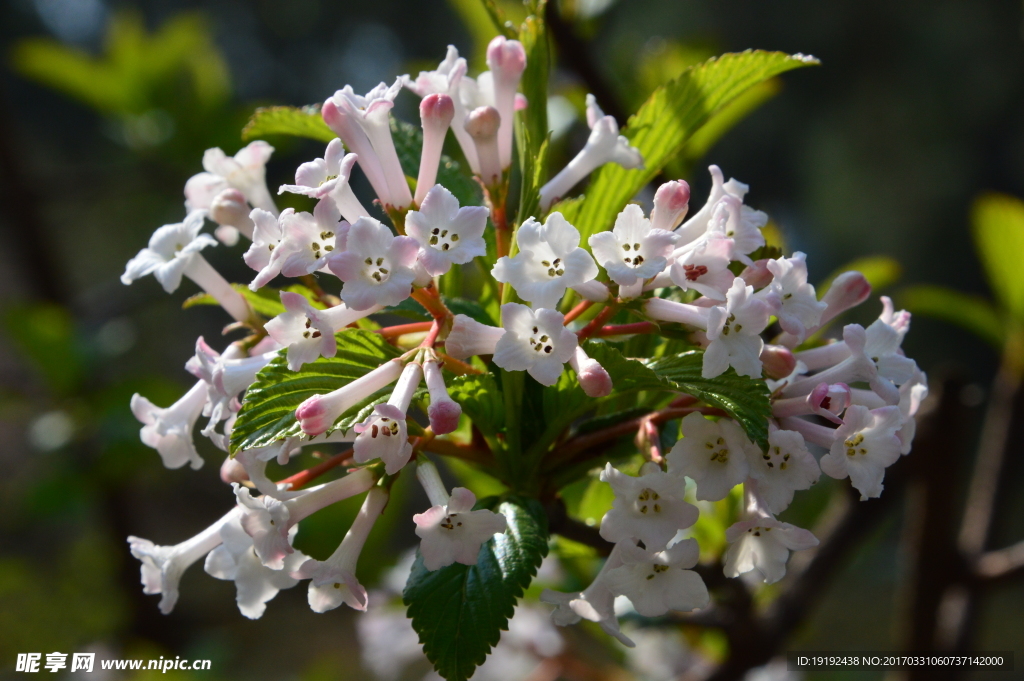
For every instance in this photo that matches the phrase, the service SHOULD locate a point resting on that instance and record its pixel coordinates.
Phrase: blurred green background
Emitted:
(106, 108)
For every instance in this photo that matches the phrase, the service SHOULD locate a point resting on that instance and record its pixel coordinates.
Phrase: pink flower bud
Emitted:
(482, 125)
(848, 290)
(671, 202)
(230, 208)
(314, 416)
(444, 412)
(778, 361)
(232, 470)
(593, 377)
(506, 58)
(437, 109)
(757, 275)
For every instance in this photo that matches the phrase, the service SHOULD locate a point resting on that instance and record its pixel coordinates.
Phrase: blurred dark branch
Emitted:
(26, 232)
(1001, 564)
(576, 55)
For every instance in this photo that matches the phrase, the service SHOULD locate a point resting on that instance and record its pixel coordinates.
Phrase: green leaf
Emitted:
(268, 409)
(288, 120)
(266, 301)
(409, 142)
(998, 224)
(460, 611)
(747, 400)
(670, 117)
(481, 401)
(728, 117)
(532, 122)
(881, 272)
(470, 308)
(974, 313)
(45, 334)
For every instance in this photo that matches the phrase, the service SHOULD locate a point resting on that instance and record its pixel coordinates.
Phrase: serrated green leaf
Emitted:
(974, 313)
(268, 408)
(470, 308)
(998, 224)
(409, 143)
(288, 120)
(480, 399)
(747, 400)
(266, 301)
(532, 122)
(460, 611)
(662, 126)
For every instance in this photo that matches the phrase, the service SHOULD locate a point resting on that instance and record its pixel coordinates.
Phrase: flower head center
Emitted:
(443, 239)
(853, 443)
(776, 457)
(648, 501)
(719, 452)
(377, 269)
(694, 272)
(541, 342)
(451, 521)
(555, 268)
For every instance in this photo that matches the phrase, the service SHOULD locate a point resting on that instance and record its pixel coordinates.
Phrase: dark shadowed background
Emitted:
(880, 151)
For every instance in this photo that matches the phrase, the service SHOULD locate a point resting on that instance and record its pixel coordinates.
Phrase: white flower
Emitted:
(848, 290)
(306, 242)
(731, 218)
(227, 376)
(268, 521)
(308, 333)
(549, 262)
(162, 566)
(172, 248)
(318, 413)
(632, 250)
(255, 583)
(329, 177)
(735, 333)
(446, 234)
(658, 582)
(376, 266)
(363, 122)
(827, 400)
(787, 466)
(605, 145)
(246, 172)
(595, 603)
(333, 581)
(506, 60)
(483, 124)
(912, 394)
(384, 434)
(453, 533)
(863, 447)
(169, 430)
(764, 544)
(536, 342)
(649, 508)
(705, 268)
(712, 453)
(800, 308)
(230, 210)
(469, 337)
(447, 79)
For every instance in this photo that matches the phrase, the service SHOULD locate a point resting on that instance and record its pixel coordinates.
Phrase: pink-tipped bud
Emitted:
(333, 117)
(506, 58)
(314, 416)
(778, 361)
(230, 209)
(671, 202)
(593, 377)
(848, 290)
(437, 110)
(521, 102)
(757, 275)
(444, 412)
(482, 123)
(232, 470)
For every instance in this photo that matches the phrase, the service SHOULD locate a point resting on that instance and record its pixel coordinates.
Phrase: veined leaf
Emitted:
(744, 399)
(268, 409)
(409, 143)
(998, 224)
(974, 313)
(532, 123)
(460, 611)
(288, 120)
(667, 120)
(481, 401)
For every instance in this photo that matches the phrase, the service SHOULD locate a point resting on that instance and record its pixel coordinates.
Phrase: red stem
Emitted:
(626, 329)
(429, 298)
(596, 323)
(402, 329)
(305, 477)
(578, 310)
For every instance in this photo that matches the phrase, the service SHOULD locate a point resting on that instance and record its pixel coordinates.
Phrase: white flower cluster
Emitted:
(667, 268)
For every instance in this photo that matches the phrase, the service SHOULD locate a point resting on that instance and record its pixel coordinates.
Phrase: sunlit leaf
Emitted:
(288, 120)
(974, 313)
(998, 224)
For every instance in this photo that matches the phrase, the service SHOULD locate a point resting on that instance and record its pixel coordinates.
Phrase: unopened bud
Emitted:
(778, 361)
(848, 290)
(757, 275)
(437, 109)
(482, 125)
(232, 470)
(671, 202)
(506, 58)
